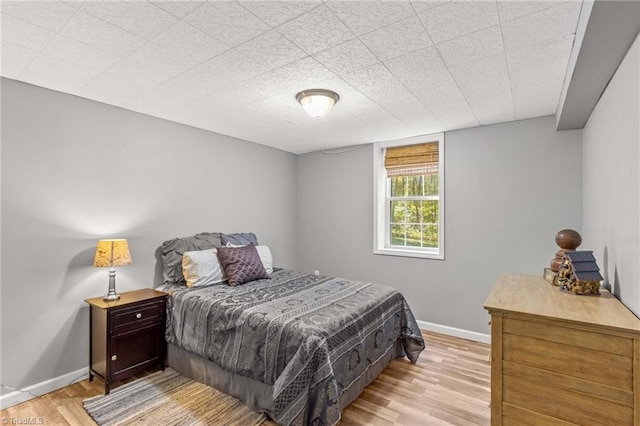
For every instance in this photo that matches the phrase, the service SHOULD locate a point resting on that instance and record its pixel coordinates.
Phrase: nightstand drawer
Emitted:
(135, 317)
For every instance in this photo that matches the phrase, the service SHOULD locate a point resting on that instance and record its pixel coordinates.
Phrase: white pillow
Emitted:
(265, 256)
(202, 267)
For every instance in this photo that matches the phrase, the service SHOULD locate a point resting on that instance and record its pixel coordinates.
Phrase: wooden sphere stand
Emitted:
(568, 240)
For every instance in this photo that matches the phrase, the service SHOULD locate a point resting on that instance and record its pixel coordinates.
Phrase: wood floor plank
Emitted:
(450, 385)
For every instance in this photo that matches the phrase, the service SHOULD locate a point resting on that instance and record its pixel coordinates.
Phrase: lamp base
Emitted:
(111, 297)
(111, 293)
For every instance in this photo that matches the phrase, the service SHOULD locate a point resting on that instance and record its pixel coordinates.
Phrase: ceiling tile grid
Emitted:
(402, 68)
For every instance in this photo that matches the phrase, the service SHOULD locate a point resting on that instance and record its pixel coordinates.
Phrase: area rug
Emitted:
(168, 398)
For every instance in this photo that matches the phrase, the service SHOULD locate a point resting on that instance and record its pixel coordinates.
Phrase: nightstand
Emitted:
(126, 335)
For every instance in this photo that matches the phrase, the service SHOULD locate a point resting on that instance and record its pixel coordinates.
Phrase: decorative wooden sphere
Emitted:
(568, 239)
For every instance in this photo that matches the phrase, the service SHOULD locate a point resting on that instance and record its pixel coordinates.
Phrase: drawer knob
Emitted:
(114, 357)
(138, 315)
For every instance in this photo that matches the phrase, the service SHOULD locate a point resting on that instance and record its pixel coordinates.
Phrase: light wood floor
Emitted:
(450, 385)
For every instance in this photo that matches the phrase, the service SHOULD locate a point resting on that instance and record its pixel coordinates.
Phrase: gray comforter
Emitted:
(309, 337)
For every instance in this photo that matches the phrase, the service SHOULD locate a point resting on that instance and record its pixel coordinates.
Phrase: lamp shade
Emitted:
(317, 102)
(110, 253)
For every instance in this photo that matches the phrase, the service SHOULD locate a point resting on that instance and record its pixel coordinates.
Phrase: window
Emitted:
(409, 197)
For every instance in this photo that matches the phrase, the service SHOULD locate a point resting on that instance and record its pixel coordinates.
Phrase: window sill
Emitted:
(408, 253)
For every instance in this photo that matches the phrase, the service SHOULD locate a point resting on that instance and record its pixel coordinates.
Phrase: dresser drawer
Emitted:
(135, 317)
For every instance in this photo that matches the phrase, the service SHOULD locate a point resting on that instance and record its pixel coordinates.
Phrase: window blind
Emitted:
(412, 160)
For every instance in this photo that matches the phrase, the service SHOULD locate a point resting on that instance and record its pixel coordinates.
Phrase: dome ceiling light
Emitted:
(317, 102)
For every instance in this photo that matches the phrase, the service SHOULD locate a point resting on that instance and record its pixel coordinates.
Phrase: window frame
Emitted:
(382, 198)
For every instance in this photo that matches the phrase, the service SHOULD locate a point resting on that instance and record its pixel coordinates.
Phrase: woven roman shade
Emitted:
(411, 160)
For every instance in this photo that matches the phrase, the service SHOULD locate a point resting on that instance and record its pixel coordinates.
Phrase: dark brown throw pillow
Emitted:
(241, 264)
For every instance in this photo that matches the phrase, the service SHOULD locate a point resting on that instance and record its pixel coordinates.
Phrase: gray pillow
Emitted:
(172, 251)
(239, 239)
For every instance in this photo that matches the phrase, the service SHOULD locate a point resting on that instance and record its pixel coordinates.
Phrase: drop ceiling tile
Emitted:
(456, 115)
(365, 16)
(537, 100)
(137, 17)
(422, 6)
(348, 56)
(276, 13)
(409, 110)
(342, 121)
(109, 89)
(274, 107)
(61, 83)
(50, 15)
(422, 126)
(189, 41)
(492, 114)
(75, 4)
(481, 46)
(79, 53)
(494, 107)
(376, 126)
(423, 71)
(227, 21)
(544, 28)
(225, 70)
(15, 59)
(477, 62)
(397, 39)
(24, 34)
(49, 69)
(211, 103)
(525, 58)
(178, 8)
(272, 50)
(372, 114)
(510, 10)
(316, 30)
(144, 77)
(538, 73)
(174, 92)
(457, 18)
(447, 104)
(241, 93)
(306, 73)
(168, 110)
(95, 32)
(475, 81)
(377, 83)
(163, 60)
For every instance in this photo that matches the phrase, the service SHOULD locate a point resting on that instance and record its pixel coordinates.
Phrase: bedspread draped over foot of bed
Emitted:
(308, 338)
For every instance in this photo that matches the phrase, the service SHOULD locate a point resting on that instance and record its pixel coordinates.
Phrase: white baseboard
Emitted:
(33, 391)
(455, 332)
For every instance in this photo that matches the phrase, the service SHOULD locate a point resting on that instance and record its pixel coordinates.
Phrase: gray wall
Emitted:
(611, 208)
(509, 189)
(75, 171)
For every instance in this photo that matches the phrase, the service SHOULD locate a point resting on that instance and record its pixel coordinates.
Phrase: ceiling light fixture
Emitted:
(317, 102)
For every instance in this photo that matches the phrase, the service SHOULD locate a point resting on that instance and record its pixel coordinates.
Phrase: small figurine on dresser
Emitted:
(579, 273)
(567, 240)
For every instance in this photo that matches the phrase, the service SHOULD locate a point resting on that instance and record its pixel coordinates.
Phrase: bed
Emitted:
(299, 347)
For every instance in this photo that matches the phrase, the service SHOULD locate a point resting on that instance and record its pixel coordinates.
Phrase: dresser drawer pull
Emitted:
(114, 357)
(138, 315)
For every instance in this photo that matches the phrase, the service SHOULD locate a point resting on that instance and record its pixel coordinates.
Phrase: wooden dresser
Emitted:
(561, 359)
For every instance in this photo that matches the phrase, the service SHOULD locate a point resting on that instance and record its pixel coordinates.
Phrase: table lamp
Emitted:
(112, 253)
